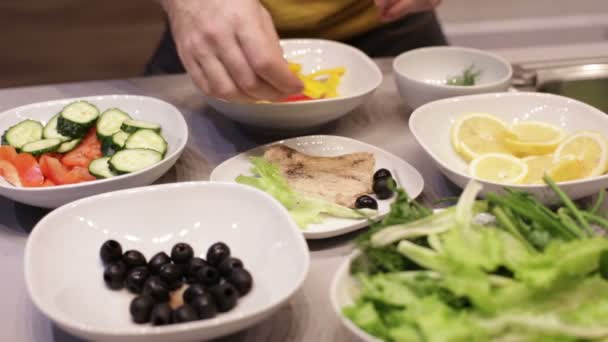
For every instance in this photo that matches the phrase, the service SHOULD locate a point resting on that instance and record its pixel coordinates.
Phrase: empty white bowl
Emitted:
(64, 273)
(431, 125)
(421, 74)
(362, 77)
(174, 130)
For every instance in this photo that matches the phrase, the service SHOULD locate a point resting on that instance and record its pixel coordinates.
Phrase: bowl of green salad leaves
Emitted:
(432, 73)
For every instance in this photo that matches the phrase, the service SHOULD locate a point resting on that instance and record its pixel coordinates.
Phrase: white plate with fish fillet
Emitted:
(406, 176)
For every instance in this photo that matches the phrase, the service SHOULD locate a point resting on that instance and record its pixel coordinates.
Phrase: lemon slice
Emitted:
(499, 167)
(534, 138)
(589, 148)
(476, 134)
(566, 169)
(537, 166)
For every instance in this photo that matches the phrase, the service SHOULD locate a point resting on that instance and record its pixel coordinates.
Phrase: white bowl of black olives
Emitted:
(183, 262)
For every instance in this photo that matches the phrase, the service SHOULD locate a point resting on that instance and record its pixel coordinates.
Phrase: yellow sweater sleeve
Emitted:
(329, 19)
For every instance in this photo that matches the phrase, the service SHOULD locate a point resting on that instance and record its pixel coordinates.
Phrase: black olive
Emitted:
(136, 278)
(192, 268)
(185, 313)
(114, 275)
(161, 314)
(157, 261)
(172, 275)
(157, 288)
(382, 173)
(133, 258)
(217, 253)
(228, 265)
(141, 308)
(205, 306)
(192, 292)
(225, 295)
(366, 202)
(181, 253)
(110, 252)
(208, 275)
(241, 279)
(382, 188)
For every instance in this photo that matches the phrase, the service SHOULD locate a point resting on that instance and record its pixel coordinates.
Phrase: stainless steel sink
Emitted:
(584, 80)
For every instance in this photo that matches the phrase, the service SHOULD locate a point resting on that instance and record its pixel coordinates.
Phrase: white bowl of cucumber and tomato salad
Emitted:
(55, 152)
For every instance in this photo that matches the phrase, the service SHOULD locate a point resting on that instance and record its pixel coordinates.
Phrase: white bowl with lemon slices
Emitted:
(514, 139)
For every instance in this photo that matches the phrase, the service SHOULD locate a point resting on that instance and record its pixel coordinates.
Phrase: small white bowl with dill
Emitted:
(432, 73)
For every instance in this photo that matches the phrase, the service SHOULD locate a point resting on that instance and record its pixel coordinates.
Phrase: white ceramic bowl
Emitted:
(431, 125)
(63, 271)
(174, 130)
(362, 77)
(421, 74)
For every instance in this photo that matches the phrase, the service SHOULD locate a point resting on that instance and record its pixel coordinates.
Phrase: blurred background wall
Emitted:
(44, 41)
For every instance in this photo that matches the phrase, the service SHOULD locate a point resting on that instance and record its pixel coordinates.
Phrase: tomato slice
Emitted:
(7, 153)
(88, 150)
(53, 169)
(296, 97)
(29, 170)
(9, 172)
(78, 175)
(48, 183)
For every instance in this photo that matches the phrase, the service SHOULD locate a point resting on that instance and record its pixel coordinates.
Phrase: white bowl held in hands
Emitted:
(174, 130)
(362, 77)
(64, 273)
(421, 74)
(406, 175)
(431, 125)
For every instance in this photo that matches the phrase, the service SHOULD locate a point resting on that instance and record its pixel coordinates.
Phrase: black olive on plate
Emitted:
(382, 173)
(383, 188)
(136, 278)
(110, 251)
(172, 275)
(217, 253)
(205, 306)
(161, 314)
(114, 275)
(157, 288)
(241, 279)
(208, 275)
(225, 295)
(228, 265)
(157, 261)
(141, 308)
(366, 202)
(193, 291)
(133, 258)
(181, 253)
(192, 268)
(185, 313)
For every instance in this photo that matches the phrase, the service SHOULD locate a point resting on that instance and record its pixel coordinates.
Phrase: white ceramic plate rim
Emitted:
(357, 224)
(170, 329)
(477, 87)
(177, 151)
(592, 111)
(376, 72)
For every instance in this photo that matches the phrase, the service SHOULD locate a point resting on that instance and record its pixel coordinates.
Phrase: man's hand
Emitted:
(394, 9)
(231, 49)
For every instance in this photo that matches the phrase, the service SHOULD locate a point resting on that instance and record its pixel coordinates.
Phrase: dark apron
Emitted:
(411, 32)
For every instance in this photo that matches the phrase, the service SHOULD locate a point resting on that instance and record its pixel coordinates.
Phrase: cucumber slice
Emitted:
(39, 147)
(110, 122)
(68, 146)
(115, 143)
(76, 119)
(145, 138)
(100, 168)
(131, 126)
(50, 130)
(126, 161)
(22, 133)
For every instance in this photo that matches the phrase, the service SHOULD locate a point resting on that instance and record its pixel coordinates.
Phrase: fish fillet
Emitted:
(340, 179)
